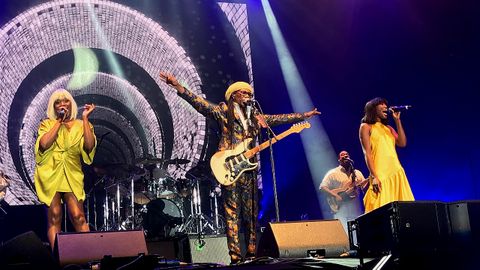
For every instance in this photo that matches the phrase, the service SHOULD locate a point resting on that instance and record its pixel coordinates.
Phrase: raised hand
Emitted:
(87, 110)
(311, 113)
(396, 115)
(169, 79)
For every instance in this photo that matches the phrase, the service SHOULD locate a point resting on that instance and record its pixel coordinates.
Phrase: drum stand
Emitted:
(197, 222)
(87, 202)
(220, 227)
(114, 220)
(132, 202)
(87, 215)
(106, 211)
(130, 218)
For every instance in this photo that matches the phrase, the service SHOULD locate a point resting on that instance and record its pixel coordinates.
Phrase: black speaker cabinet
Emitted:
(404, 229)
(299, 239)
(465, 233)
(80, 248)
(26, 251)
(166, 248)
(465, 224)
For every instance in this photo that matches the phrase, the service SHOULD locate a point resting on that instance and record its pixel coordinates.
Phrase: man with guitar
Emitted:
(342, 186)
(239, 124)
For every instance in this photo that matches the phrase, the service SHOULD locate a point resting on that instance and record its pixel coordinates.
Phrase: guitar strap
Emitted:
(351, 170)
(239, 112)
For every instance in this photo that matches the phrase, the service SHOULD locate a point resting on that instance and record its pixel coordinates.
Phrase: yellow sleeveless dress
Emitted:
(59, 168)
(395, 186)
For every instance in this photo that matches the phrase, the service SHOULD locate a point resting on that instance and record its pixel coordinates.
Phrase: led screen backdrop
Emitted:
(110, 53)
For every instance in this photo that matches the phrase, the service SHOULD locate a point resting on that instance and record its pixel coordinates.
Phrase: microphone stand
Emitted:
(352, 172)
(272, 162)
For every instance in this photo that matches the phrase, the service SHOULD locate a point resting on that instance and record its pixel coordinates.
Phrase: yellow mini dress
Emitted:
(59, 168)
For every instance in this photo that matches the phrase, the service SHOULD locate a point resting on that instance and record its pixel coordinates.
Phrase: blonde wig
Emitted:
(61, 94)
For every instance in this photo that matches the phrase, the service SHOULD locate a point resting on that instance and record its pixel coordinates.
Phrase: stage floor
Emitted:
(259, 263)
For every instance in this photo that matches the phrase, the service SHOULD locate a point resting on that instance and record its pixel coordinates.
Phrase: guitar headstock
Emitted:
(300, 126)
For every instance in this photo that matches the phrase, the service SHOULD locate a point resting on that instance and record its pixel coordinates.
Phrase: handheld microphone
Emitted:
(349, 160)
(399, 108)
(61, 113)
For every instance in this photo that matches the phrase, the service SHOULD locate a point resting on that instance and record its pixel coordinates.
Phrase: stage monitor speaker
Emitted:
(80, 248)
(191, 249)
(299, 239)
(405, 229)
(26, 251)
(465, 233)
(208, 249)
(465, 223)
(172, 248)
(166, 248)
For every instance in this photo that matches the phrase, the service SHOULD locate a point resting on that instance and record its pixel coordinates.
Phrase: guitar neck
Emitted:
(250, 153)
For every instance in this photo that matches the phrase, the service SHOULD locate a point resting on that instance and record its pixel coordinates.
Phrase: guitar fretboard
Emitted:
(250, 153)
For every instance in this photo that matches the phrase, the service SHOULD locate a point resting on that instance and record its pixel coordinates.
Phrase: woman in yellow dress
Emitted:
(62, 141)
(388, 180)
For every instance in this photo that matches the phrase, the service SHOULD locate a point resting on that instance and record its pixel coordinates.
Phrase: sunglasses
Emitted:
(243, 92)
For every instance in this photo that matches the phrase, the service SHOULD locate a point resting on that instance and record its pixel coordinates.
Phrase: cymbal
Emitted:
(120, 170)
(142, 197)
(148, 161)
(176, 161)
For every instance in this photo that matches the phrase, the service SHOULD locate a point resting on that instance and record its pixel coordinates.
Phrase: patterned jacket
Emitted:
(219, 113)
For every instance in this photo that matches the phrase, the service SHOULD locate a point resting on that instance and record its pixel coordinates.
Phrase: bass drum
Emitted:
(162, 218)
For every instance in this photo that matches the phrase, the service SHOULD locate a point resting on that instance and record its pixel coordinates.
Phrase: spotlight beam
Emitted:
(318, 150)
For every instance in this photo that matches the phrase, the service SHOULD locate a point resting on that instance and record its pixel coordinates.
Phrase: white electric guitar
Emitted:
(228, 165)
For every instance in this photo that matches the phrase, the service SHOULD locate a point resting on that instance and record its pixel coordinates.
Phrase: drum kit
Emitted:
(145, 196)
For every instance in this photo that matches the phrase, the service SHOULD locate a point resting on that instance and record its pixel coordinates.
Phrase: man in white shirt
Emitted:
(342, 186)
